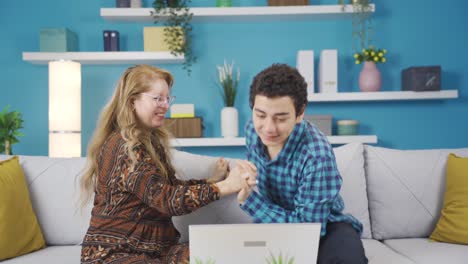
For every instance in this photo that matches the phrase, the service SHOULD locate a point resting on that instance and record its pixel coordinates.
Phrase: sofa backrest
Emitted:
(405, 190)
(54, 191)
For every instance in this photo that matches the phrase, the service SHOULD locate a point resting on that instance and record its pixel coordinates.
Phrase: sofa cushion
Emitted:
(452, 226)
(405, 190)
(421, 250)
(54, 190)
(350, 161)
(224, 211)
(50, 255)
(20, 232)
(378, 253)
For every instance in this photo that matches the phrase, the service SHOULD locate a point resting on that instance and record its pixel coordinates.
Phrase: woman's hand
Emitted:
(243, 175)
(220, 171)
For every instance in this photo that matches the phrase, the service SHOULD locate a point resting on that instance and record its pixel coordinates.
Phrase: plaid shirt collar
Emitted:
(293, 141)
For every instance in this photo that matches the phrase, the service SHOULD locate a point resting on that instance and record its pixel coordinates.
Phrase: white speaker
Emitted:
(305, 66)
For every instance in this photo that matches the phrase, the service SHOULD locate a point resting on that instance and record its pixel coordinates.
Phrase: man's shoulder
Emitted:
(250, 134)
(315, 142)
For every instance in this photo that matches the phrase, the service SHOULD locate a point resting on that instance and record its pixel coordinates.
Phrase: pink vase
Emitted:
(370, 79)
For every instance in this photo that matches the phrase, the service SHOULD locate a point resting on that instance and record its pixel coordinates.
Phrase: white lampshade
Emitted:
(65, 145)
(64, 109)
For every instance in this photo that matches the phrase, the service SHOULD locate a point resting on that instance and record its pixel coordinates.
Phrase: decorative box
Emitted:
(287, 2)
(347, 127)
(423, 78)
(185, 127)
(57, 40)
(323, 122)
(154, 39)
(182, 110)
(122, 3)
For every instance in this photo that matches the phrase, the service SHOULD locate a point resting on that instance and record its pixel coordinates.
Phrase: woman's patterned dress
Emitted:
(131, 217)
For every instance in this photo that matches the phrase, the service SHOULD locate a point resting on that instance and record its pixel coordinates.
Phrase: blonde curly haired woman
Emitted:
(129, 171)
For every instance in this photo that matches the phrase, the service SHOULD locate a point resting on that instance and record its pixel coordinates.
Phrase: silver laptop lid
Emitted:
(253, 243)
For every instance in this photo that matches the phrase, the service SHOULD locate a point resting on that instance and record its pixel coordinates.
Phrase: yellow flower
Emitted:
(370, 54)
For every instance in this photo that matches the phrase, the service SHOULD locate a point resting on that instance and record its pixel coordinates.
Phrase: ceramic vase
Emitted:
(229, 122)
(370, 79)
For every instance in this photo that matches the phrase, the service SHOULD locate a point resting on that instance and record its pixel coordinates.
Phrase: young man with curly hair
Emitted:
(298, 179)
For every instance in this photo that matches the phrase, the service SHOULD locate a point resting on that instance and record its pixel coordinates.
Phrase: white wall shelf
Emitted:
(382, 96)
(238, 14)
(108, 57)
(240, 141)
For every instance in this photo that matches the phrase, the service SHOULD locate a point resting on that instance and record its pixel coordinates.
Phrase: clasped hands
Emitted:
(240, 179)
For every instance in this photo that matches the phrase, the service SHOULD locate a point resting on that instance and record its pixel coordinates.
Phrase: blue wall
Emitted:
(418, 32)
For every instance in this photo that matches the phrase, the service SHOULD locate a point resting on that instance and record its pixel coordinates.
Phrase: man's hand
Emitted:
(250, 177)
(243, 175)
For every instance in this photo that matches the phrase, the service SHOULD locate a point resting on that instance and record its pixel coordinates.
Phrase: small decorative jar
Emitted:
(347, 127)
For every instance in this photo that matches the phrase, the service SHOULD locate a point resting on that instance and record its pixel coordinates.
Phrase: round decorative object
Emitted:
(370, 79)
(347, 127)
(229, 122)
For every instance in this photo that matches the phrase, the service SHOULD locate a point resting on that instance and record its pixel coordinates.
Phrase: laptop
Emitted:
(253, 243)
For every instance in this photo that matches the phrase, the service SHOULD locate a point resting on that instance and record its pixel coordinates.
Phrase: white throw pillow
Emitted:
(405, 190)
(350, 161)
(224, 211)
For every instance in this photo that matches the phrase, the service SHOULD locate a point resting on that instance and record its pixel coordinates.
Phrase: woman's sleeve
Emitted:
(147, 183)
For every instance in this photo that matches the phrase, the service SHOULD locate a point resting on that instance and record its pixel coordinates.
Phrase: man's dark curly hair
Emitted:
(280, 80)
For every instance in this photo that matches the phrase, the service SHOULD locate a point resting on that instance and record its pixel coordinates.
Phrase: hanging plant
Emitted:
(361, 23)
(178, 31)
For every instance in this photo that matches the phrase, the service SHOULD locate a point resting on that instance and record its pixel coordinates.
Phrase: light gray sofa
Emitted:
(396, 194)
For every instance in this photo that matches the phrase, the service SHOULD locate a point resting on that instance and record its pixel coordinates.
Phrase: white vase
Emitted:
(229, 122)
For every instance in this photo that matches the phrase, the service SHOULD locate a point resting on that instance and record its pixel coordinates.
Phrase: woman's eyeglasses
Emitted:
(159, 100)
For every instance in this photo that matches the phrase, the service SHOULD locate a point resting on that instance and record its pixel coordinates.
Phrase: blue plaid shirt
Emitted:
(301, 185)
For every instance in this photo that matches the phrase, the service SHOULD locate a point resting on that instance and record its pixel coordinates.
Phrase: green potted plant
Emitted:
(178, 31)
(279, 259)
(209, 261)
(228, 83)
(10, 124)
